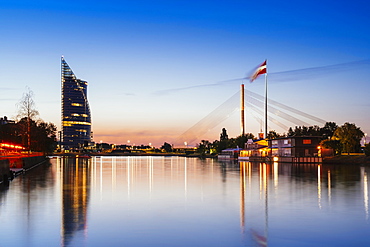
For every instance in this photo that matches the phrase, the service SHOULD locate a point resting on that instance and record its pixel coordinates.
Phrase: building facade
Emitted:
(296, 149)
(295, 146)
(291, 149)
(76, 117)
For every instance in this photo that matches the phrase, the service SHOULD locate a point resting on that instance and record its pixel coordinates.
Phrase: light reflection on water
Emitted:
(176, 201)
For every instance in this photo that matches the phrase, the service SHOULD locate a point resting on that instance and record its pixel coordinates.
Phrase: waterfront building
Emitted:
(300, 149)
(255, 150)
(295, 146)
(291, 149)
(229, 154)
(76, 117)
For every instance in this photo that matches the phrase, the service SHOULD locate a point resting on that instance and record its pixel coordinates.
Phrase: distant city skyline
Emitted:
(157, 68)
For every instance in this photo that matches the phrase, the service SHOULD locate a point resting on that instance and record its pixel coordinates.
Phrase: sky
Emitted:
(156, 68)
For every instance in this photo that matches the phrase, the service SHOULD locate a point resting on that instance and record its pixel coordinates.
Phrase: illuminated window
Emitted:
(70, 123)
(275, 152)
(82, 131)
(287, 152)
(306, 141)
(287, 141)
(76, 104)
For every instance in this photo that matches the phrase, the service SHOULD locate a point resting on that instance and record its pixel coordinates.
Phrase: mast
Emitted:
(242, 117)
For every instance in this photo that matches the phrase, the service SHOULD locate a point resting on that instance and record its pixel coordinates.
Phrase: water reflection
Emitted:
(254, 212)
(365, 190)
(75, 192)
(258, 231)
(174, 201)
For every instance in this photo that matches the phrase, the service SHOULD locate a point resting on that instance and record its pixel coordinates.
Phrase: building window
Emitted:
(287, 142)
(306, 141)
(287, 152)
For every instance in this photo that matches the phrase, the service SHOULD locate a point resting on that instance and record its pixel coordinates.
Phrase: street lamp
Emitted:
(365, 139)
(129, 144)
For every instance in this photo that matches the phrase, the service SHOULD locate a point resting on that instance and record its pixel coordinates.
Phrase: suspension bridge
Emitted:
(279, 115)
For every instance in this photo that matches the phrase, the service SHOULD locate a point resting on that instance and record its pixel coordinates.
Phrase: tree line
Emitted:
(28, 131)
(37, 136)
(342, 139)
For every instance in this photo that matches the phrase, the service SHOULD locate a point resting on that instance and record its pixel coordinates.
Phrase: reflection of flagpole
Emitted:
(242, 196)
(319, 185)
(260, 239)
(266, 201)
(329, 186)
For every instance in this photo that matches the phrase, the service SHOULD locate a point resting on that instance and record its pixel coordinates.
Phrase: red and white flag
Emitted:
(262, 69)
(260, 240)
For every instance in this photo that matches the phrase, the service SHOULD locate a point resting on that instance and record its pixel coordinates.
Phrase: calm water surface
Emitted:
(175, 201)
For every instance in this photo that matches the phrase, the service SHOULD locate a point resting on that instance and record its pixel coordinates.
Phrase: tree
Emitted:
(9, 133)
(42, 134)
(204, 147)
(290, 132)
(167, 147)
(367, 149)
(224, 141)
(44, 137)
(304, 131)
(273, 134)
(27, 109)
(332, 144)
(242, 139)
(223, 135)
(328, 130)
(349, 136)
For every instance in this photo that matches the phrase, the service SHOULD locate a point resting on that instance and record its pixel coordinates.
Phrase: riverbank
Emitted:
(15, 165)
(348, 159)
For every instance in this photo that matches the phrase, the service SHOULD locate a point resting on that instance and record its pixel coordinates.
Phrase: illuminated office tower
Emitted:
(76, 118)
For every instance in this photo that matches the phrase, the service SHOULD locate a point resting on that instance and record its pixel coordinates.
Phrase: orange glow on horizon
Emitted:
(143, 137)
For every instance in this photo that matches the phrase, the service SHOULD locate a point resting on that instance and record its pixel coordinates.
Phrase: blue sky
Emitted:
(130, 50)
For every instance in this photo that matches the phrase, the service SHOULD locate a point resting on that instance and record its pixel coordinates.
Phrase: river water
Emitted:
(176, 201)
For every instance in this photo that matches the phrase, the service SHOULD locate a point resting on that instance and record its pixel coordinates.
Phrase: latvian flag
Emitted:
(262, 69)
(260, 240)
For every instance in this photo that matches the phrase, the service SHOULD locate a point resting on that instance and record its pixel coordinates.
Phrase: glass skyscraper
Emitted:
(76, 117)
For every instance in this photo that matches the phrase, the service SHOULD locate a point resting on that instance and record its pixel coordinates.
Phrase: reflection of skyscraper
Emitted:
(76, 118)
(75, 185)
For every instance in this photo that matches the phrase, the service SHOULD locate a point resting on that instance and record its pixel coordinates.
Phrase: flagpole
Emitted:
(262, 69)
(266, 104)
